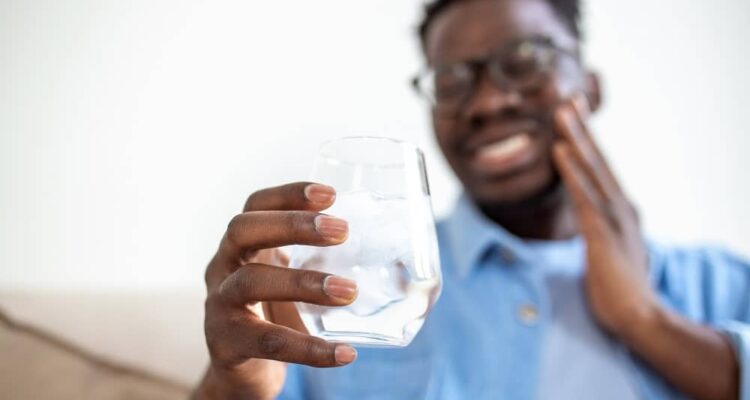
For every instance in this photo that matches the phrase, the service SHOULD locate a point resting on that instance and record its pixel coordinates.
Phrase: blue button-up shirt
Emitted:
(512, 323)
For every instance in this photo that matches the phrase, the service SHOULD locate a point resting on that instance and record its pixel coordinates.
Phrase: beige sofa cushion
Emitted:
(155, 330)
(36, 365)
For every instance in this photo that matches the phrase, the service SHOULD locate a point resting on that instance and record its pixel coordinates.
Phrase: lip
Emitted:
(498, 132)
(498, 165)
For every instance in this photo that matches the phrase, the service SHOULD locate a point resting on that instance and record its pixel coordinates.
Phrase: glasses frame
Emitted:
(477, 65)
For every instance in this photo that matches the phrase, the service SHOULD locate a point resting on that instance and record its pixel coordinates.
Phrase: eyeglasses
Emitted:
(524, 66)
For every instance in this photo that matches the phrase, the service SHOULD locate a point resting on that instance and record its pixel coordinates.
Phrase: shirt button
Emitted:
(528, 314)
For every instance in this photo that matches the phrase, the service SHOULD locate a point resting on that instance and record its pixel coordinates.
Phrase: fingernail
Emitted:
(320, 193)
(331, 227)
(581, 103)
(562, 112)
(567, 116)
(342, 288)
(345, 354)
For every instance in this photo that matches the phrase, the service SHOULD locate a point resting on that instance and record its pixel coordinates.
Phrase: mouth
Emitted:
(505, 154)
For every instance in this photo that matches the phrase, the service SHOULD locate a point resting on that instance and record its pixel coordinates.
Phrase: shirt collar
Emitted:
(472, 235)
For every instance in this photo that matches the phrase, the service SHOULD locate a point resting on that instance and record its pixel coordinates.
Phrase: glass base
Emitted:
(361, 339)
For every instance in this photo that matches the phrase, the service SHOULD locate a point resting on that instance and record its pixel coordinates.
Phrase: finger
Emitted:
(581, 105)
(258, 282)
(284, 313)
(573, 129)
(588, 204)
(294, 196)
(257, 230)
(261, 339)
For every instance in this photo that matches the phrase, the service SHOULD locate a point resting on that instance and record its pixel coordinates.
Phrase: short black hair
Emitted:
(568, 10)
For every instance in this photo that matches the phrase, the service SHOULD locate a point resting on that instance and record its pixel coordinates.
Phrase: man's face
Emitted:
(499, 141)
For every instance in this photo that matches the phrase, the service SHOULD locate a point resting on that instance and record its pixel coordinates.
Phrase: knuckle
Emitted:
(247, 282)
(237, 320)
(215, 349)
(252, 200)
(235, 228)
(227, 333)
(300, 221)
(319, 352)
(306, 281)
(271, 343)
(240, 284)
(218, 346)
(310, 347)
(207, 275)
(222, 352)
(315, 349)
(211, 304)
(224, 292)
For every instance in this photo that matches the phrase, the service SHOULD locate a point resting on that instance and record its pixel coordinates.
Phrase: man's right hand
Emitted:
(252, 328)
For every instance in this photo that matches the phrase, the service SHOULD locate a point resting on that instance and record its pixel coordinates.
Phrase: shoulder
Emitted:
(707, 282)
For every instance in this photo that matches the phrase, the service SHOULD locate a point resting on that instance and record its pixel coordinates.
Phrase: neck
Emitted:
(546, 216)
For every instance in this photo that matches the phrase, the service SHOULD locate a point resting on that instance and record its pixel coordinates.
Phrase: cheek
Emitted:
(553, 95)
(445, 133)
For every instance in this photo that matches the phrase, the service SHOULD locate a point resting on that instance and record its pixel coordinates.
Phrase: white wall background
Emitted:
(131, 132)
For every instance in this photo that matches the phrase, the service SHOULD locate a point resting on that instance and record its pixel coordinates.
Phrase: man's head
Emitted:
(498, 70)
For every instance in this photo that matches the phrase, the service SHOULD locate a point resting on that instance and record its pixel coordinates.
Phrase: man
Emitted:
(549, 289)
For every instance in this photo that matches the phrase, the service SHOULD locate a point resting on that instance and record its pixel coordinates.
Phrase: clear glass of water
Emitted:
(391, 252)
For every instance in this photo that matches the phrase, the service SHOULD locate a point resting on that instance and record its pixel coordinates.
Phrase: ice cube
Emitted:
(377, 254)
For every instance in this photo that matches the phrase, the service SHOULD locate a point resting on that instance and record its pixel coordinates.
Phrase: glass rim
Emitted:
(337, 159)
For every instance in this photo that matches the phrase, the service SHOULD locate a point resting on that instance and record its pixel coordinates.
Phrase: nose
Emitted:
(490, 100)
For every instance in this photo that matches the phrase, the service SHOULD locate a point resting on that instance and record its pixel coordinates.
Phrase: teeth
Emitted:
(507, 147)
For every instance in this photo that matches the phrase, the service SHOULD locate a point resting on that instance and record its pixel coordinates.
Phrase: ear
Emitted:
(593, 90)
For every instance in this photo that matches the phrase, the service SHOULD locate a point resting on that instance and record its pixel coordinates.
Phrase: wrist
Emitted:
(214, 387)
(644, 322)
(211, 388)
(253, 379)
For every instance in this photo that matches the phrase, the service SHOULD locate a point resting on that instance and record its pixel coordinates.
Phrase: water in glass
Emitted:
(391, 251)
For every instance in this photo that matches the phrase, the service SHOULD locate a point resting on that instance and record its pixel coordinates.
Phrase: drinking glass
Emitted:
(391, 252)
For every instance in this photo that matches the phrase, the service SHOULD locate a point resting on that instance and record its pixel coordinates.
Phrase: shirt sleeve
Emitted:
(712, 286)
(733, 292)
(739, 333)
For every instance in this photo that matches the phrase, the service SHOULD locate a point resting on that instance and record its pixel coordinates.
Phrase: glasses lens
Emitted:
(453, 83)
(527, 65)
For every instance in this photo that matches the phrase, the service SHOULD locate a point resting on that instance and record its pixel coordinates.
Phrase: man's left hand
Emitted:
(616, 279)
(695, 358)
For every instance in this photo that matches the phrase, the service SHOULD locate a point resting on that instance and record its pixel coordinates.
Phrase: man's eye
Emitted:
(527, 61)
(519, 67)
(448, 85)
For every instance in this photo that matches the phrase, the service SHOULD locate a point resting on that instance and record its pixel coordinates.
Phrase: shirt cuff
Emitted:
(739, 333)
